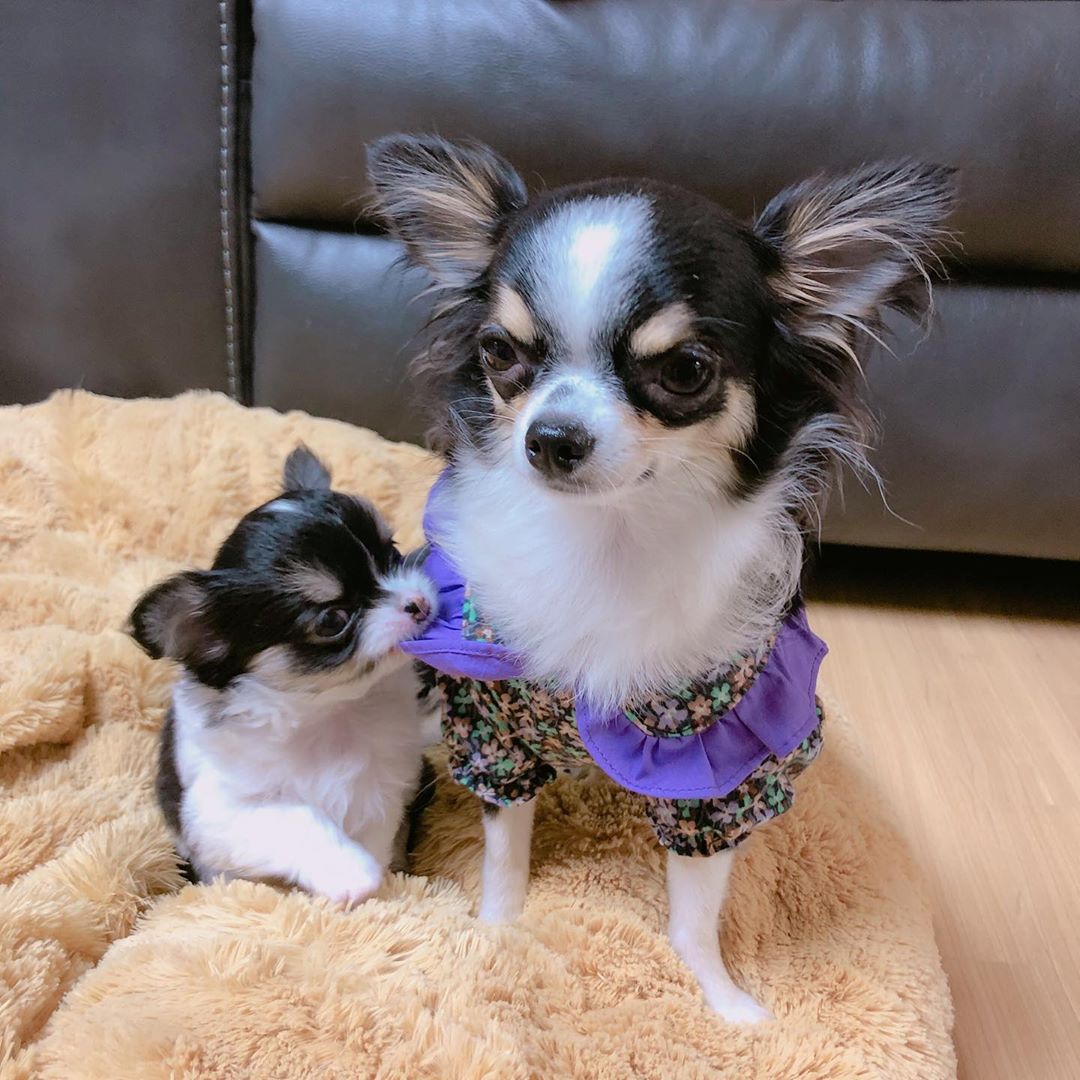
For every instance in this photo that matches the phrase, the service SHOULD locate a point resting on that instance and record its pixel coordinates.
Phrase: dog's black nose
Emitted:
(557, 448)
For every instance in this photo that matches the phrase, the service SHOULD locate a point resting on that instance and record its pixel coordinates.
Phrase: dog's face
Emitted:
(612, 335)
(608, 358)
(307, 593)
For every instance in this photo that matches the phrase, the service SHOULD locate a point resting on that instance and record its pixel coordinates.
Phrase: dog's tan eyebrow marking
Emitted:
(662, 331)
(513, 314)
(316, 583)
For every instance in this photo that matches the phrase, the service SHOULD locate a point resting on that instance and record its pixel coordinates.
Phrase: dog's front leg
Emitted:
(505, 875)
(269, 840)
(696, 891)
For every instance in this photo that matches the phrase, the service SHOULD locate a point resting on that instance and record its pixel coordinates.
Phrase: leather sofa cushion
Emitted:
(110, 236)
(336, 317)
(980, 439)
(732, 99)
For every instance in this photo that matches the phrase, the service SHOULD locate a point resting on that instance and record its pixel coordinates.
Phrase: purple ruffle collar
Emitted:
(776, 713)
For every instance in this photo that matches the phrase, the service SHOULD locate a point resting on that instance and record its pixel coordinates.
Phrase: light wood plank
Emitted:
(964, 675)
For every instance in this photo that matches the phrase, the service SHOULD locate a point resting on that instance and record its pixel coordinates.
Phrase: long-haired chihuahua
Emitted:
(643, 403)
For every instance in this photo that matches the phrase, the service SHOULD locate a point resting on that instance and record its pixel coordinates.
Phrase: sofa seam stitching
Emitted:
(224, 185)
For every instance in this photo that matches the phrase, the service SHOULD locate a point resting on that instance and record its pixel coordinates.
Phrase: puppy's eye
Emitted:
(330, 624)
(497, 352)
(685, 371)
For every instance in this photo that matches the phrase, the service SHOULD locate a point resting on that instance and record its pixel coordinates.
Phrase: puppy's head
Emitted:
(613, 335)
(308, 592)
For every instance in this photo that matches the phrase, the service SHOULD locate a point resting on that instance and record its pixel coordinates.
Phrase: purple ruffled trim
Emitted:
(776, 713)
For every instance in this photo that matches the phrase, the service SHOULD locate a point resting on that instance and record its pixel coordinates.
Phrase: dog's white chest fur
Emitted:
(614, 600)
(351, 760)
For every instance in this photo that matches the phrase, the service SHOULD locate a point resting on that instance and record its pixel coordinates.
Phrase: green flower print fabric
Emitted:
(509, 738)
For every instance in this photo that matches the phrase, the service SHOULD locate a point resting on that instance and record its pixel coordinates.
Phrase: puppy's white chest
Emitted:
(347, 758)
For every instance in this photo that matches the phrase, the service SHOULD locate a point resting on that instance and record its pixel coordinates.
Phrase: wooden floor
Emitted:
(964, 675)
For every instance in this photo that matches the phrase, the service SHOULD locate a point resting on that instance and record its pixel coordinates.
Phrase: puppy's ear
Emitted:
(853, 245)
(305, 472)
(447, 201)
(173, 620)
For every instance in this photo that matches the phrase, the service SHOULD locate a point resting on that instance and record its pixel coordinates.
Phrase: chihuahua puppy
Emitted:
(643, 402)
(294, 740)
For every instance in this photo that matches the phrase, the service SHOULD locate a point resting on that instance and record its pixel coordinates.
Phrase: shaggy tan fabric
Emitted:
(109, 970)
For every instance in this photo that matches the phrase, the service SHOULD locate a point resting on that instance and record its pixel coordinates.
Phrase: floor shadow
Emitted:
(944, 581)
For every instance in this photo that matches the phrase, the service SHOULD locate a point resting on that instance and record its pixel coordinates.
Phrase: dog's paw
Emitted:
(349, 879)
(736, 1006)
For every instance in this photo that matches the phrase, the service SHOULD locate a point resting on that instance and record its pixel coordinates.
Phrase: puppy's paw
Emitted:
(736, 1006)
(348, 879)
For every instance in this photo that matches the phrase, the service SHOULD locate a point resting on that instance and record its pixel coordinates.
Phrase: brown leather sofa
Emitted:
(183, 200)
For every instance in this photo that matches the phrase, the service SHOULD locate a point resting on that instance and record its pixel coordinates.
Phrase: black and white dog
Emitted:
(644, 402)
(295, 736)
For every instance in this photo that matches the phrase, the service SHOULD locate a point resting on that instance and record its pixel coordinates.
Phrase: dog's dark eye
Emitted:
(330, 624)
(497, 352)
(685, 371)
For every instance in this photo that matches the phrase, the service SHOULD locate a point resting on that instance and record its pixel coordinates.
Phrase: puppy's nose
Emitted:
(557, 447)
(418, 608)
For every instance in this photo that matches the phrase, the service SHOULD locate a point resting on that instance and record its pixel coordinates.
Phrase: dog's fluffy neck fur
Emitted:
(619, 600)
(254, 701)
(350, 751)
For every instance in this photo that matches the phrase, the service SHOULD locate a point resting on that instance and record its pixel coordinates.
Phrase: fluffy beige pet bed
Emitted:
(108, 969)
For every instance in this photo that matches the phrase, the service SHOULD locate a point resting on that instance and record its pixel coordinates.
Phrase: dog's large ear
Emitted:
(447, 201)
(853, 245)
(305, 472)
(173, 619)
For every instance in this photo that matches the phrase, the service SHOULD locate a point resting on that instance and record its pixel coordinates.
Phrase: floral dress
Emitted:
(508, 738)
